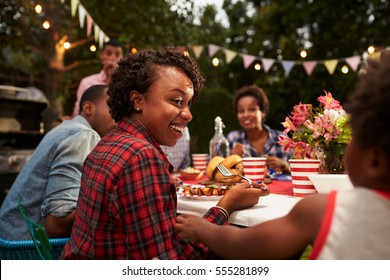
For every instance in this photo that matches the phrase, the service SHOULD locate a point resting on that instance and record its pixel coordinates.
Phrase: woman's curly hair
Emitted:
(137, 72)
(369, 105)
(256, 92)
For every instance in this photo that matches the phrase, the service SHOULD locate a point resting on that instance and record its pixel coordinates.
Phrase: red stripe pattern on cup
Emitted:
(200, 161)
(254, 167)
(300, 169)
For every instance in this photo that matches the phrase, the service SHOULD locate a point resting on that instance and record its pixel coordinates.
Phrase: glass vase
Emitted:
(331, 160)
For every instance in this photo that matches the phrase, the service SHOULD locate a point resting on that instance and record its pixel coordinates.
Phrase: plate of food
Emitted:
(201, 192)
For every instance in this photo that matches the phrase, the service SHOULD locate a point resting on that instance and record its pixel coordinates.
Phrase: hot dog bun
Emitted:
(231, 161)
(234, 162)
(212, 166)
(233, 179)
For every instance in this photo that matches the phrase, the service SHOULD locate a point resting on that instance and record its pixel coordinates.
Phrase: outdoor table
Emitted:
(277, 204)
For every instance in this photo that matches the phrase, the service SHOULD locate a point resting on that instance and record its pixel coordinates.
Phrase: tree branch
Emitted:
(78, 63)
(81, 42)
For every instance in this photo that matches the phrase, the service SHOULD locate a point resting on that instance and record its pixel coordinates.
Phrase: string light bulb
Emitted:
(303, 53)
(66, 45)
(345, 69)
(38, 9)
(215, 61)
(257, 66)
(92, 48)
(46, 24)
(371, 49)
(133, 50)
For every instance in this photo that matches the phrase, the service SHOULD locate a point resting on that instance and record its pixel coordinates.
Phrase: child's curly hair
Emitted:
(369, 105)
(137, 72)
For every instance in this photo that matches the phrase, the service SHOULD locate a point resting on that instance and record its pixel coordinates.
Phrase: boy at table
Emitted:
(350, 224)
(127, 202)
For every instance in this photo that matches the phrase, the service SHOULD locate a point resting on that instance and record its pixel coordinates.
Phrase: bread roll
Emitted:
(231, 179)
(231, 161)
(212, 166)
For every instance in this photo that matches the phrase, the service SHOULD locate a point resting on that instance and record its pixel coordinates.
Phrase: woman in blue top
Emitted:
(255, 138)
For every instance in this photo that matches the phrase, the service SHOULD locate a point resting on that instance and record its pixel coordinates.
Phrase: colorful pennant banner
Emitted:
(230, 55)
(309, 66)
(99, 35)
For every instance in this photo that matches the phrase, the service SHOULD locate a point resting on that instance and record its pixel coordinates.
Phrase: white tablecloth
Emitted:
(269, 207)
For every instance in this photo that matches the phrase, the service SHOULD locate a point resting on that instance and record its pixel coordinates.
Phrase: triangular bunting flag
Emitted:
(73, 6)
(89, 25)
(353, 61)
(82, 13)
(267, 63)
(248, 60)
(287, 66)
(331, 65)
(96, 31)
(213, 49)
(230, 55)
(198, 49)
(101, 39)
(309, 66)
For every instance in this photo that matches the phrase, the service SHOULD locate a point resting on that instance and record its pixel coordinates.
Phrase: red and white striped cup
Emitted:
(300, 169)
(254, 168)
(200, 161)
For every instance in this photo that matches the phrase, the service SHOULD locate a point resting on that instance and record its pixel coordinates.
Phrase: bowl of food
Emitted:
(190, 174)
(324, 183)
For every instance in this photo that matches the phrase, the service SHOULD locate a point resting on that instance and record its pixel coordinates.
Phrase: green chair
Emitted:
(46, 248)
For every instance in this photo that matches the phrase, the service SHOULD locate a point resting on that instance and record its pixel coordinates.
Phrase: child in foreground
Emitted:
(350, 224)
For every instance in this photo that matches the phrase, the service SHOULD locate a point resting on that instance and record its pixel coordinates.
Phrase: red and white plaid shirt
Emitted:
(127, 202)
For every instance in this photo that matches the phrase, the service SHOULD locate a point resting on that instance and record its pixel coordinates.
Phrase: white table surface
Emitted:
(269, 207)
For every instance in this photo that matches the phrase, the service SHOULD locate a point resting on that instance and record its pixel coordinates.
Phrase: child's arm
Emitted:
(277, 239)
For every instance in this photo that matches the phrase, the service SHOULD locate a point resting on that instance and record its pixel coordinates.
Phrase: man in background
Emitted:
(110, 55)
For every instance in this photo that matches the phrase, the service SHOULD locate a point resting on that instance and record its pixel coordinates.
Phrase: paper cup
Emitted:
(300, 169)
(254, 168)
(200, 161)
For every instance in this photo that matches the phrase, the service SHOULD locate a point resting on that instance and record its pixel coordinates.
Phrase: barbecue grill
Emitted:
(21, 130)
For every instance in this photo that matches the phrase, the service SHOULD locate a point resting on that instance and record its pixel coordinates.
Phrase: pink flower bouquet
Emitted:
(324, 128)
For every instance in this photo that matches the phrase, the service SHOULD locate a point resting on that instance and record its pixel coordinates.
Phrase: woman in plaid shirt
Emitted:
(127, 202)
(255, 138)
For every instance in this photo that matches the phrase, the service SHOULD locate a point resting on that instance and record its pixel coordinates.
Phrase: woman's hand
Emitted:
(242, 196)
(278, 164)
(176, 180)
(238, 149)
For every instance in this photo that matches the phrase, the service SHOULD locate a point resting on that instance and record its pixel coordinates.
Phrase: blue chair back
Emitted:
(26, 249)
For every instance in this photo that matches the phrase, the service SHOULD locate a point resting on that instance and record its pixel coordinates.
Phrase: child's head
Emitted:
(369, 105)
(369, 108)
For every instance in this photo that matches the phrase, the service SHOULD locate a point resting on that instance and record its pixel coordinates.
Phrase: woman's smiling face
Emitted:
(248, 113)
(165, 107)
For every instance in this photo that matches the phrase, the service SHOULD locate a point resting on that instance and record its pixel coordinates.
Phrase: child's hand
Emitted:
(187, 226)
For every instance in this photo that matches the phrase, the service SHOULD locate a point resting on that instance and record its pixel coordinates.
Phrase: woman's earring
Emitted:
(137, 109)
